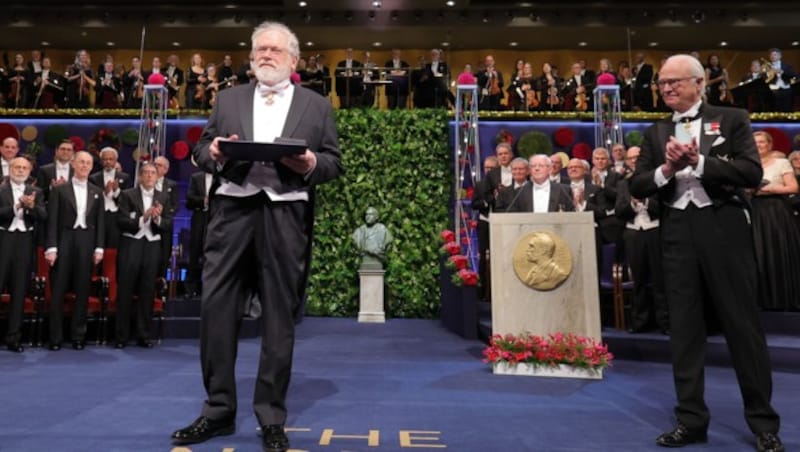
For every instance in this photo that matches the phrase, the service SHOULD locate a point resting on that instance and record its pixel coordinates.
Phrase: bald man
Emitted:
(8, 152)
(74, 246)
(21, 207)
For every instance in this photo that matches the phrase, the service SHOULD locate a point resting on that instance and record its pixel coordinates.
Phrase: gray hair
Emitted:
(544, 157)
(520, 160)
(293, 43)
(696, 69)
(111, 150)
(601, 149)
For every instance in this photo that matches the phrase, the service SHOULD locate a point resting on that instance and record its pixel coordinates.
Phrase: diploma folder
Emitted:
(262, 152)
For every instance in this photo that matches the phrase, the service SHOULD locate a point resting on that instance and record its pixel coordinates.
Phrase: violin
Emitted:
(494, 83)
(581, 102)
(552, 95)
(530, 95)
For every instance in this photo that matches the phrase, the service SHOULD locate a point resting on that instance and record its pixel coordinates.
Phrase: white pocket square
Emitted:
(718, 141)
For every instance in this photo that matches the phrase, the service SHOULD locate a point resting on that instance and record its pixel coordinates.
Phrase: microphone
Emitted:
(514, 199)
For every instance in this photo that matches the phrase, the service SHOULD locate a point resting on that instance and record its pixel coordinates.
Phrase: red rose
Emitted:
(460, 261)
(470, 192)
(473, 224)
(453, 248)
(469, 277)
(448, 235)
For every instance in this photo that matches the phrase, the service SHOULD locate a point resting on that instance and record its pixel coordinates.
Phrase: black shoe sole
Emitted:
(221, 432)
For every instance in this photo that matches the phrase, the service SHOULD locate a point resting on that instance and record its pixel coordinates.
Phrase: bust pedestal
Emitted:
(371, 296)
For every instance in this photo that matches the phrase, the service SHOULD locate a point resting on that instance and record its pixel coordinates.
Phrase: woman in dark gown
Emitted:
(777, 240)
(716, 81)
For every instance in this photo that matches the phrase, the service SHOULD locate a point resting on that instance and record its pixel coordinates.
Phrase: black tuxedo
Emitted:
(74, 263)
(107, 94)
(197, 203)
(492, 188)
(253, 239)
(349, 87)
(46, 176)
(431, 90)
(170, 189)
(521, 199)
(643, 253)
(490, 101)
(642, 92)
(16, 253)
(112, 229)
(482, 205)
(708, 258)
(137, 263)
(397, 92)
(609, 226)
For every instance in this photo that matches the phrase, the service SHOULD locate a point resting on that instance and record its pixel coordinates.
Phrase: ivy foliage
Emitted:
(399, 162)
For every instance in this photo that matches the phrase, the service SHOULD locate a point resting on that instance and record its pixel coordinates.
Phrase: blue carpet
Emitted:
(350, 379)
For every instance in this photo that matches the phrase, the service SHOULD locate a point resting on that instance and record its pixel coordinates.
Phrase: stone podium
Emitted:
(371, 296)
(567, 298)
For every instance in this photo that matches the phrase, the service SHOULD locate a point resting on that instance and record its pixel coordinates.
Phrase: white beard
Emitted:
(270, 76)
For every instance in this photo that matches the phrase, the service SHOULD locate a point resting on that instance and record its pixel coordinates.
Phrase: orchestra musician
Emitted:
(34, 73)
(195, 82)
(314, 77)
(397, 92)
(490, 81)
(752, 93)
(80, 81)
(48, 87)
(109, 89)
(226, 73)
(643, 78)
(134, 84)
(625, 82)
(779, 76)
(368, 75)
(348, 81)
(549, 86)
(17, 83)
(513, 97)
(155, 69)
(174, 76)
(526, 95)
(716, 82)
(210, 87)
(577, 90)
(434, 82)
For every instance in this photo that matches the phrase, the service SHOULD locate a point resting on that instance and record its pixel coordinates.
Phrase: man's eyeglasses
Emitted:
(672, 82)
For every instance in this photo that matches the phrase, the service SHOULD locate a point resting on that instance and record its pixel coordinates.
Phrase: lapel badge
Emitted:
(711, 128)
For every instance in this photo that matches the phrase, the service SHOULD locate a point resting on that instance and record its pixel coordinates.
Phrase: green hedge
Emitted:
(398, 162)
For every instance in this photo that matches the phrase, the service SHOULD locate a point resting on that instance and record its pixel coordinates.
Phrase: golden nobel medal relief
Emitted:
(542, 260)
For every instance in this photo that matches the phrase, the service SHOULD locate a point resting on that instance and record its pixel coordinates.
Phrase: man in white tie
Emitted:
(21, 207)
(8, 152)
(142, 219)
(699, 166)
(74, 246)
(58, 172)
(539, 195)
(112, 182)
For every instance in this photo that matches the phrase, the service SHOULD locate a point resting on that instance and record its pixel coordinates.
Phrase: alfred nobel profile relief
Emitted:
(542, 260)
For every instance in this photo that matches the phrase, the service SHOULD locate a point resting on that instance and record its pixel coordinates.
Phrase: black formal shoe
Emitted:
(54, 347)
(274, 439)
(768, 442)
(203, 429)
(144, 343)
(120, 345)
(79, 345)
(682, 436)
(15, 347)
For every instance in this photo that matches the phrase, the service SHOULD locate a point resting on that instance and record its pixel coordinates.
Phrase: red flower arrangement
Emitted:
(552, 350)
(504, 136)
(462, 276)
(563, 137)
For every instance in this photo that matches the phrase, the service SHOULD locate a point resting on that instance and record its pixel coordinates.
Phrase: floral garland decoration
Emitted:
(104, 137)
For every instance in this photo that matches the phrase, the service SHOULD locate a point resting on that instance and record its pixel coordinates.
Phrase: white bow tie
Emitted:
(270, 92)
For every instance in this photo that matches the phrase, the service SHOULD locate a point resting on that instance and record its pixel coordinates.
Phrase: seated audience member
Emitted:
(643, 251)
(142, 219)
(21, 207)
(583, 191)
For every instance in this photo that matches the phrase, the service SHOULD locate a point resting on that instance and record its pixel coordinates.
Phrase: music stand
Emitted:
(755, 89)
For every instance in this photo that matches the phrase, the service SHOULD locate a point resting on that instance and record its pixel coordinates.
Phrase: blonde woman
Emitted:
(776, 237)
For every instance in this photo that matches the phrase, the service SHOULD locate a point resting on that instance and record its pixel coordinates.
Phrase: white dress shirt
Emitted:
(541, 197)
(579, 187)
(505, 175)
(62, 171)
(268, 122)
(109, 200)
(688, 189)
(18, 222)
(144, 226)
(642, 220)
(80, 190)
(5, 165)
